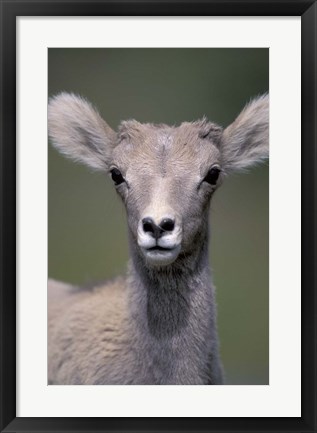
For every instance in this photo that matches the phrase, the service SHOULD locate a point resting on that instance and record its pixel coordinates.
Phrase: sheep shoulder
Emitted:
(88, 332)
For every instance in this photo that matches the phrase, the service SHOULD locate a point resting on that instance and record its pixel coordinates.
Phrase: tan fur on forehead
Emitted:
(186, 132)
(163, 148)
(202, 128)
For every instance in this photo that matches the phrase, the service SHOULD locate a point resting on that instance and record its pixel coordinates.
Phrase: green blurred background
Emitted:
(87, 236)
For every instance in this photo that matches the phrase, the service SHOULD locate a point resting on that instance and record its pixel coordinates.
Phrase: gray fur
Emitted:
(245, 141)
(157, 325)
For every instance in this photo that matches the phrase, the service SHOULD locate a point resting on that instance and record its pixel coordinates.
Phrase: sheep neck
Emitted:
(173, 310)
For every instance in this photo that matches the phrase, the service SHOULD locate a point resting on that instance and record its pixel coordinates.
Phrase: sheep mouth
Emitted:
(158, 248)
(161, 256)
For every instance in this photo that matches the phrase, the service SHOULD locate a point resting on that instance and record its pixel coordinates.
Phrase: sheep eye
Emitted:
(116, 176)
(212, 176)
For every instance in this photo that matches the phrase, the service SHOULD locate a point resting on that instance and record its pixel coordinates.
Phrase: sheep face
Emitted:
(166, 177)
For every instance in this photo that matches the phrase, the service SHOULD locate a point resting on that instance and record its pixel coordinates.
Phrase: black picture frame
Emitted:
(10, 9)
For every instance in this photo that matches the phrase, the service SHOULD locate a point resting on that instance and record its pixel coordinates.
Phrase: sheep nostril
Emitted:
(167, 224)
(148, 225)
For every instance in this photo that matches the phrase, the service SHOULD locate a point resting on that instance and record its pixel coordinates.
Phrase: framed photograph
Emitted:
(121, 262)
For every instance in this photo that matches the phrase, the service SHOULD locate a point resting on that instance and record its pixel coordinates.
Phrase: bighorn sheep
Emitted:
(158, 324)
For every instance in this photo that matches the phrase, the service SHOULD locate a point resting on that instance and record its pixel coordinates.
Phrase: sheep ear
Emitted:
(246, 141)
(78, 131)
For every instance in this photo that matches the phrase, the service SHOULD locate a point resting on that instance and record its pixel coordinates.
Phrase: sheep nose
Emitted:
(149, 226)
